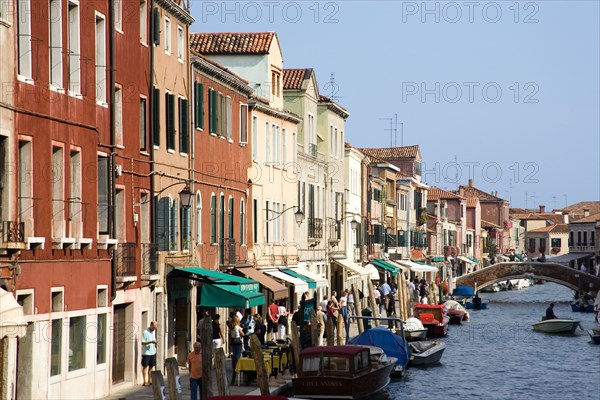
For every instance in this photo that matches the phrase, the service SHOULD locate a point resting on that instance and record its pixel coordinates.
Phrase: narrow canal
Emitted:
(496, 355)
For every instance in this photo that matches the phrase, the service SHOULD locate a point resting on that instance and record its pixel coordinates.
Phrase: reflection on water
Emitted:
(496, 355)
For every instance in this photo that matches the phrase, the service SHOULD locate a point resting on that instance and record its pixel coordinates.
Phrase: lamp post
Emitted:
(298, 215)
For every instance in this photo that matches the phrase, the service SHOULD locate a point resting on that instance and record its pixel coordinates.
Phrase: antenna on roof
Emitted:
(393, 129)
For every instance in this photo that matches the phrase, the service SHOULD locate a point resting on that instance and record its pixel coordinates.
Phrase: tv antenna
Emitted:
(393, 129)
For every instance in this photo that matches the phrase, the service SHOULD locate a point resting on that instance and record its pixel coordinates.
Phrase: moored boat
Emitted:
(556, 326)
(577, 307)
(433, 317)
(414, 330)
(594, 335)
(426, 353)
(456, 312)
(392, 344)
(340, 372)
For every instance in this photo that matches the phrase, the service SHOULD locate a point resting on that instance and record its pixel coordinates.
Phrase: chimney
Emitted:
(471, 182)
(566, 217)
(542, 208)
(586, 212)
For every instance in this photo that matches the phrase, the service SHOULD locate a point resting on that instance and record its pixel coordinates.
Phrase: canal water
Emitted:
(497, 355)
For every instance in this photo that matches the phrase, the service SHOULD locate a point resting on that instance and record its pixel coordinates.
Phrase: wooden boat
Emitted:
(595, 335)
(433, 317)
(456, 312)
(576, 307)
(426, 353)
(556, 326)
(414, 330)
(340, 372)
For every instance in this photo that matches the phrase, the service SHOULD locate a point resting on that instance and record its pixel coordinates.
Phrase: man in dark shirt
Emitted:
(550, 312)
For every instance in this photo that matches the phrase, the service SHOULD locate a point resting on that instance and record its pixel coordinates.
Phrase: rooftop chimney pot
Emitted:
(542, 208)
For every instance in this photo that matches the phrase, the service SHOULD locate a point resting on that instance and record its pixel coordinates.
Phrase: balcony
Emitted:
(232, 253)
(334, 231)
(12, 236)
(126, 260)
(150, 262)
(315, 228)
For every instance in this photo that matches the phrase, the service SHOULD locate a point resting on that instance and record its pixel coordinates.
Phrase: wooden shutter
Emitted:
(199, 105)
(213, 219)
(170, 117)
(212, 111)
(162, 224)
(156, 116)
(183, 126)
(173, 226)
(243, 123)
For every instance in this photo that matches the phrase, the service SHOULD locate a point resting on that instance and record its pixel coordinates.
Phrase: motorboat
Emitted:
(595, 335)
(493, 288)
(426, 353)
(520, 283)
(341, 372)
(476, 304)
(433, 317)
(587, 308)
(464, 291)
(456, 312)
(556, 326)
(392, 344)
(414, 330)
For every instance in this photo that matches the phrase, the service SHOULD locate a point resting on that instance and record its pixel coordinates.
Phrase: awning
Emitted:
(300, 286)
(386, 266)
(476, 261)
(319, 280)
(467, 260)
(417, 267)
(210, 276)
(437, 259)
(229, 296)
(565, 258)
(395, 264)
(279, 290)
(312, 284)
(12, 320)
(357, 269)
(373, 272)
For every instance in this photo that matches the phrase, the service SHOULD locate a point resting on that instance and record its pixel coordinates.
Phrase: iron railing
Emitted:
(232, 253)
(12, 231)
(149, 258)
(315, 228)
(126, 259)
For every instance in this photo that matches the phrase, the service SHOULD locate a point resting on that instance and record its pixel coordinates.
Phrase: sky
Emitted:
(506, 93)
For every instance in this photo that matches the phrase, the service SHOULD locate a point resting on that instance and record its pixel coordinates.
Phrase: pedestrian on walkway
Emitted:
(149, 352)
(236, 334)
(195, 368)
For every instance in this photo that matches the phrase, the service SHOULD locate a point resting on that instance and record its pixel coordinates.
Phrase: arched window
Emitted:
(213, 219)
(230, 219)
(198, 218)
(222, 219)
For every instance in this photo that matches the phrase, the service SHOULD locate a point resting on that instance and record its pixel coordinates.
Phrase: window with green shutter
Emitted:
(213, 219)
(242, 220)
(212, 111)
(162, 224)
(186, 227)
(156, 26)
(198, 105)
(230, 227)
(173, 226)
(170, 118)
(156, 116)
(184, 140)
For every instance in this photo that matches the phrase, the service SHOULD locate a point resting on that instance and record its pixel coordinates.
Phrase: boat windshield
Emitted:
(325, 364)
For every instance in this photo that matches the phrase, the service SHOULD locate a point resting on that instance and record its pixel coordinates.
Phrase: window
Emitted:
(585, 239)
(58, 193)
(143, 18)
(229, 117)
(571, 238)
(186, 228)
(531, 245)
(592, 238)
(267, 142)
(275, 83)
(57, 299)
(312, 142)
(254, 138)
(73, 49)
(155, 99)
(543, 245)
(198, 219)
(167, 36)
(163, 216)
(267, 222)
(219, 114)
(579, 239)
(335, 143)
(170, 120)
(341, 155)
(76, 343)
(284, 218)
(145, 217)
(180, 43)
(243, 123)
(120, 214)
(213, 219)
(143, 136)
(55, 19)
(184, 136)
(230, 219)
(56, 348)
(555, 242)
(118, 10)
(276, 144)
(242, 221)
(331, 140)
(100, 58)
(174, 211)
(222, 219)
(24, 37)
(155, 26)
(25, 187)
(103, 195)
(255, 221)
(75, 203)
(198, 105)
(118, 116)
(101, 339)
(284, 145)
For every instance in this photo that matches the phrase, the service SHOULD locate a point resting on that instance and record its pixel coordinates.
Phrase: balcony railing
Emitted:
(12, 232)
(232, 253)
(126, 259)
(149, 259)
(315, 228)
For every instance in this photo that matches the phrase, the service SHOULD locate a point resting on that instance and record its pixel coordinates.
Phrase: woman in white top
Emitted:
(282, 321)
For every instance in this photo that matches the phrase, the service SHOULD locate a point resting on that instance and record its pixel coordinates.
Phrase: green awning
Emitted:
(437, 259)
(312, 284)
(211, 276)
(476, 261)
(216, 295)
(385, 266)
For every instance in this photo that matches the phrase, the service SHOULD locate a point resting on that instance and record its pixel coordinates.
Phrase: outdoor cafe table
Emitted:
(246, 364)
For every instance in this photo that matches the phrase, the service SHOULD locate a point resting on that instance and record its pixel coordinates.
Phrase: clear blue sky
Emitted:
(507, 92)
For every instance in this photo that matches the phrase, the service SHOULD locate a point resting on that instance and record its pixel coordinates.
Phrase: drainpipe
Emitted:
(112, 223)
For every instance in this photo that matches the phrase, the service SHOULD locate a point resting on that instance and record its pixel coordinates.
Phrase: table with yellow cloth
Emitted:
(246, 364)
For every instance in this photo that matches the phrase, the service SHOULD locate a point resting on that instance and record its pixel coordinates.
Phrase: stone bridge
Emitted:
(566, 276)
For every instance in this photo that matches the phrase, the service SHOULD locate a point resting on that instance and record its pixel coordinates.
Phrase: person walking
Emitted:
(282, 321)
(320, 324)
(149, 352)
(236, 334)
(259, 328)
(248, 327)
(272, 312)
(344, 311)
(195, 367)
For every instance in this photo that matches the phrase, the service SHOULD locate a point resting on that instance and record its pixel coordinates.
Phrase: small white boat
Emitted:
(493, 288)
(414, 330)
(556, 326)
(426, 352)
(520, 283)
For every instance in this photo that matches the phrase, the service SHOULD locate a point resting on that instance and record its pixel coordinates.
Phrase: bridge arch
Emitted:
(558, 273)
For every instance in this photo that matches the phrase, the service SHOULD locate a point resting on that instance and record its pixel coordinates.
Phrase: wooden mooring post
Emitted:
(357, 308)
(374, 307)
(173, 379)
(262, 376)
(221, 372)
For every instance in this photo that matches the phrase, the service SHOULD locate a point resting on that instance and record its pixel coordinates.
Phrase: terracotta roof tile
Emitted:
(232, 43)
(555, 218)
(554, 228)
(388, 153)
(487, 224)
(470, 191)
(576, 210)
(472, 202)
(435, 193)
(588, 219)
(293, 78)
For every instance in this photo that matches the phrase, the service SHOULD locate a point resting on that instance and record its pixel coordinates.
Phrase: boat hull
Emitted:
(595, 336)
(556, 326)
(431, 356)
(437, 330)
(416, 335)
(339, 387)
(456, 317)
